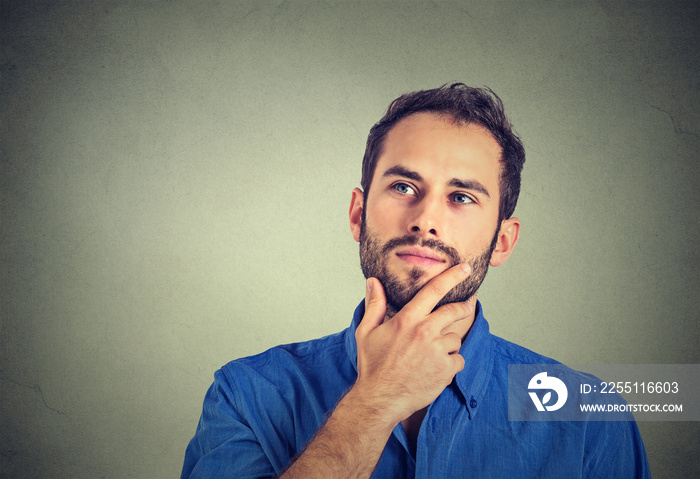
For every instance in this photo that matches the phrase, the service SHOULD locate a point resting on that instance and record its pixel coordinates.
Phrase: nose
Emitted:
(426, 220)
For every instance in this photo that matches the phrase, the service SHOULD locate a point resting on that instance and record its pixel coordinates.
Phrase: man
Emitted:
(416, 386)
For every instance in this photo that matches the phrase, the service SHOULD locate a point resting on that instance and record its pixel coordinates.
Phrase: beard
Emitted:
(374, 257)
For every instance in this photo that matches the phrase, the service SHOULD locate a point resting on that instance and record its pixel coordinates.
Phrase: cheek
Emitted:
(381, 218)
(473, 236)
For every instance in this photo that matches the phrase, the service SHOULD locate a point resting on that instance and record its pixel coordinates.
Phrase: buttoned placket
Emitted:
(432, 451)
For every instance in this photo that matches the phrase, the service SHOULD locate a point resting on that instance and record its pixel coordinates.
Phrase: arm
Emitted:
(403, 365)
(224, 444)
(615, 449)
(348, 445)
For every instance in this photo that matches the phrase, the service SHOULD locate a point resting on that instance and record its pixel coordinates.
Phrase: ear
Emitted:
(507, 238)
(357, 203)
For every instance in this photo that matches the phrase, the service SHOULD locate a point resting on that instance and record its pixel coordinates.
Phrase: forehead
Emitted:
(436, 145)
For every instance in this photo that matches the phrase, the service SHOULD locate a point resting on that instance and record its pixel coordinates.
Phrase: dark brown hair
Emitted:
(465, 105)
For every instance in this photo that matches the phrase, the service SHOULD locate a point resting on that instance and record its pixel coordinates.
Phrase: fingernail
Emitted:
(369, 284)
(470, 307)
(467, 269)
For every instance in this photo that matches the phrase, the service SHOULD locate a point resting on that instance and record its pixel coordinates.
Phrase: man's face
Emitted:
(433, 203)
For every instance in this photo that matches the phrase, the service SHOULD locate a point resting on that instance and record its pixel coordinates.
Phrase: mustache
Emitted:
(433, 244)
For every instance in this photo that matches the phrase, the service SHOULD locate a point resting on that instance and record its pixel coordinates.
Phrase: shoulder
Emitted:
(512, 353)
(508, 354)
(292, 370)
(291, 356)
(515, 365)
(516, 354)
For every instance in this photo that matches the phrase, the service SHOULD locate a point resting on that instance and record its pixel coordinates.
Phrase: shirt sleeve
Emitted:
(224, 445)
(619, 452)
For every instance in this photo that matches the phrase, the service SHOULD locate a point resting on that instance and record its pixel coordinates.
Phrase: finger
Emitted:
(450, 313)
(449, 343)
(375, 306)
(425, 300)
(457, 362)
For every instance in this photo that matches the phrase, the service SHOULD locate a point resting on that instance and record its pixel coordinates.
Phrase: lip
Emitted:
(420, 256)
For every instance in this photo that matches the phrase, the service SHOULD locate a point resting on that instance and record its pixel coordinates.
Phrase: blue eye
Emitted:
(461, 198)
(404, 189)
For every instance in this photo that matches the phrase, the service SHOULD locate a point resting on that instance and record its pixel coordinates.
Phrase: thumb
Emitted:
(375, 305)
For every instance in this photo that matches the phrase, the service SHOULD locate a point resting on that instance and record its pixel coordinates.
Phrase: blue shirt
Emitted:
(262, 410)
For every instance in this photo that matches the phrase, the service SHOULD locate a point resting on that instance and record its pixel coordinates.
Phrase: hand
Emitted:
(404, 364)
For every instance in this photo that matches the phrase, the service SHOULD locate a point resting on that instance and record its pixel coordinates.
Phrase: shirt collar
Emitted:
(350, 342)
(477, 351)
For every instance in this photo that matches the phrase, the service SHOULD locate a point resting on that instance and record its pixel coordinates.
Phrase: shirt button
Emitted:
(472, 403)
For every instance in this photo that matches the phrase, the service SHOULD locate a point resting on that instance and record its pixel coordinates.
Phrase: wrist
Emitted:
(373, 411)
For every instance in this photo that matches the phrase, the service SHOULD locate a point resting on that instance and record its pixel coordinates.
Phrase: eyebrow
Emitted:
(473, 185)
(469, 185)
(399, 170)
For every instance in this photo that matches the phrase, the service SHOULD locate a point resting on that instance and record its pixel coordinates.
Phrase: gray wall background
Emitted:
(176, 175)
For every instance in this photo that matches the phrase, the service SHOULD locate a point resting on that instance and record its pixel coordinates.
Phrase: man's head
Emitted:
(465, 105)
(436, 167)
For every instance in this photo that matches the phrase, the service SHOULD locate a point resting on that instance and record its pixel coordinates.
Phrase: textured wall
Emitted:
(175, 178)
